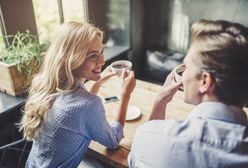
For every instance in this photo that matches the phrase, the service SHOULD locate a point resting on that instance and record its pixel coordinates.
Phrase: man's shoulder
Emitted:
(169, 126)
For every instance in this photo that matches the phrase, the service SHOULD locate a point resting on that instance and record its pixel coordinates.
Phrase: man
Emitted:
(215, 134)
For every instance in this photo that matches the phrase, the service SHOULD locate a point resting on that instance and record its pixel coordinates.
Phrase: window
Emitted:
(117, 34)
(44, 16)
(47, 18)
(117, 14)
(50, 13)
(118, 23)
(76, 11)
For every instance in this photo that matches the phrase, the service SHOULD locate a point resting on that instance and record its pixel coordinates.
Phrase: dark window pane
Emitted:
(118, 23)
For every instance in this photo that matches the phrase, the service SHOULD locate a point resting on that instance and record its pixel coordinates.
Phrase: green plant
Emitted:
(24, 51)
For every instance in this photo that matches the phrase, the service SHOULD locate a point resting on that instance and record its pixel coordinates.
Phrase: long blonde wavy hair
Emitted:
(64, 57)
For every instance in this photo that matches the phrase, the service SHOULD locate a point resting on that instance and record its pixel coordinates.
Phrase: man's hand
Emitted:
(170, 87)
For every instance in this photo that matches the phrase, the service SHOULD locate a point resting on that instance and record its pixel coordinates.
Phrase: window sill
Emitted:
(112, 52)
(9, 103)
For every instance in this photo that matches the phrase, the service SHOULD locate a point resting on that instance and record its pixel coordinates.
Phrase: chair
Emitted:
(14, 155)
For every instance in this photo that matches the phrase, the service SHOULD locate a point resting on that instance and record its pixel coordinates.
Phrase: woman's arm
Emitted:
(98, 127)
(128, 86)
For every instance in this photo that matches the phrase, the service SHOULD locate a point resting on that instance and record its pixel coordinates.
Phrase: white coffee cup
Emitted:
(179, 71)
(118, 66)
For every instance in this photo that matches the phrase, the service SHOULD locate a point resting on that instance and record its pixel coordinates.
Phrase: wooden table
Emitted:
(143, 97)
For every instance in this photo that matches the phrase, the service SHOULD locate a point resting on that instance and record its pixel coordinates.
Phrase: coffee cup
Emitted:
(118, 66)
(179, 71)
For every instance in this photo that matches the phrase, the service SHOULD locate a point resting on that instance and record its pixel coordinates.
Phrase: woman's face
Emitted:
(92, 66)
(191, 80)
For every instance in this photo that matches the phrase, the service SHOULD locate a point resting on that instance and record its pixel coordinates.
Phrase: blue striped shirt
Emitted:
(212, 136)
(74, 120)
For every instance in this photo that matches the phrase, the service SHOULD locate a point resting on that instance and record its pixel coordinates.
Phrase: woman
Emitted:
(61, 117)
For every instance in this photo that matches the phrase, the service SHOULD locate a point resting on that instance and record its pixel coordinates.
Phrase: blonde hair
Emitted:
(222, 50)
(65, 55)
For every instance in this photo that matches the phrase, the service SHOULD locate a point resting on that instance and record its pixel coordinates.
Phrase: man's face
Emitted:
(191, 80)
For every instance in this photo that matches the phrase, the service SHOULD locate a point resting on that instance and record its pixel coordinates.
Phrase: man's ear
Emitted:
(207, 83)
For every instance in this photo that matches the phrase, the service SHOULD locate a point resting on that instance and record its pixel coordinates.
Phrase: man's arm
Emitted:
(170, 87)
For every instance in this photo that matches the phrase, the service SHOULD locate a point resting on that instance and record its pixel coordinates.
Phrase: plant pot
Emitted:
(12, 81)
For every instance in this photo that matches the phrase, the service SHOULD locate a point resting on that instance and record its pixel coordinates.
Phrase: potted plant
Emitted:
(19, 61)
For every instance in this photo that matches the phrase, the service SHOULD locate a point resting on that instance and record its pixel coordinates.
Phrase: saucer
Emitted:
(133, 113)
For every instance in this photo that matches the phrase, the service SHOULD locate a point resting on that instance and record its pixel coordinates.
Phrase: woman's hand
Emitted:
(127, 88)
(105, 75)
(170, 87)
(128, 83)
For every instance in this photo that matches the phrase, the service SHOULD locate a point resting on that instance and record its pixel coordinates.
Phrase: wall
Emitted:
(18, 15)
(137, 35)
(157, 15)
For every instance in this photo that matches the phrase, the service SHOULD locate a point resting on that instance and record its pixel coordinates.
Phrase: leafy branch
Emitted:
(24, 51)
